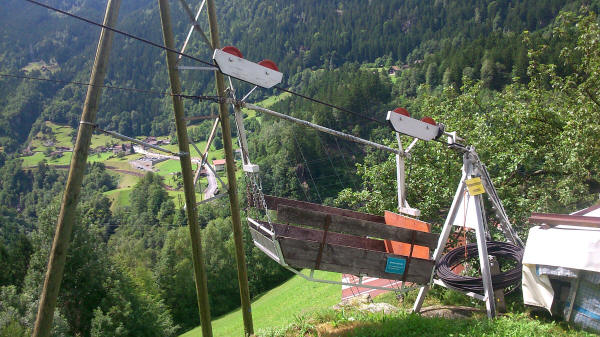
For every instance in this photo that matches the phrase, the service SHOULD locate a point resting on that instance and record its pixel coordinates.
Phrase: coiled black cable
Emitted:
(502, 280)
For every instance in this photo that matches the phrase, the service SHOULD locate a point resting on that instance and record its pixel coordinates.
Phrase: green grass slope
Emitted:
(302, 308)
(280, 306)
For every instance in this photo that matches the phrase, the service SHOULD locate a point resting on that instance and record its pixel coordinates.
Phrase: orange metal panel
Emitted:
(401, 248)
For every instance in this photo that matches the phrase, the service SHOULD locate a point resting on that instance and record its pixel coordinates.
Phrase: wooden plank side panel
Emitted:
(274, 202)
(343, 224)
(308, 234)
(341, 259)
(332, 238)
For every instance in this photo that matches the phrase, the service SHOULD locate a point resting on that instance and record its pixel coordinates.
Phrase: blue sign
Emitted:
(395, 265)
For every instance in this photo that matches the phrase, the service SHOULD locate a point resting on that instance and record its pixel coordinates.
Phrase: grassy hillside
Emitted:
(43, 145)
(280, 306)
(302, 308)
(55, 135)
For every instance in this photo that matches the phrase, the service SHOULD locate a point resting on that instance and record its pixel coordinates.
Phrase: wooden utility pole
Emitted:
(66, 217)
(231, 181)
(187, 172)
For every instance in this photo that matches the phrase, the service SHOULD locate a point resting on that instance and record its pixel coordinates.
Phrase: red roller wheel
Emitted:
(402, 111)
(269, 64)
(428, 120)
(233, 51)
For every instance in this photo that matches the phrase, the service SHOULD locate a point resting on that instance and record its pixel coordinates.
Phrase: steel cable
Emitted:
(37, 3)
(502, 280)
(119, 32)
(135, 90)
(331, 105)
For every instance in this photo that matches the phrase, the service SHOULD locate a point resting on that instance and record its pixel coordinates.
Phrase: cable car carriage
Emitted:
(318, 237)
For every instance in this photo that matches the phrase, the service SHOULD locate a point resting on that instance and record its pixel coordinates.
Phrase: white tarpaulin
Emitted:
(537, 289)
(564, 246)
(560, 246)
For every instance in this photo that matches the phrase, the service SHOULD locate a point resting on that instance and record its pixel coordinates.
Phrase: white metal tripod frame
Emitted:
(497, 206)
(471, 167)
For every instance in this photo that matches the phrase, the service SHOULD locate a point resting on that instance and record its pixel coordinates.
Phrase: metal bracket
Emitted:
(94, 125)
(453, 138)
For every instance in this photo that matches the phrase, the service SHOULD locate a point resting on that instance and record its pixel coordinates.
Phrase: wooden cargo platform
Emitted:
(339, 240)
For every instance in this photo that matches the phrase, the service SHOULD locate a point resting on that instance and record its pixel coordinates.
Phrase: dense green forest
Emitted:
(439, 40)
(516, 79)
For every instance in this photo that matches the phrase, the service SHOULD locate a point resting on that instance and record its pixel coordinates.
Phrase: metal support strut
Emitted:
(472, 167)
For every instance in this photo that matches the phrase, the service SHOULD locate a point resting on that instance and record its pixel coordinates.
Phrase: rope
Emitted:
(139, 91)
(345, 162)
(330, 105)
(300, 185)
(194, 58)
(503, 280)
(307, 168)
(119, 32)
(330, 162)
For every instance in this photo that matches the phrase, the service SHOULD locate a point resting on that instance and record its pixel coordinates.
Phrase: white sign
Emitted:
(245, 70)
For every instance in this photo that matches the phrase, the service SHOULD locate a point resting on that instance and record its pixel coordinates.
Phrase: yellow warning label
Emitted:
(474, 186)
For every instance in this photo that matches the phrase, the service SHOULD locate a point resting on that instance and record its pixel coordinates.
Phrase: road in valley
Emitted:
(212, 187)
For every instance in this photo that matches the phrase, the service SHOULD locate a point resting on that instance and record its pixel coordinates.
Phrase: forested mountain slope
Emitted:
(296, 34)
(527, 100)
